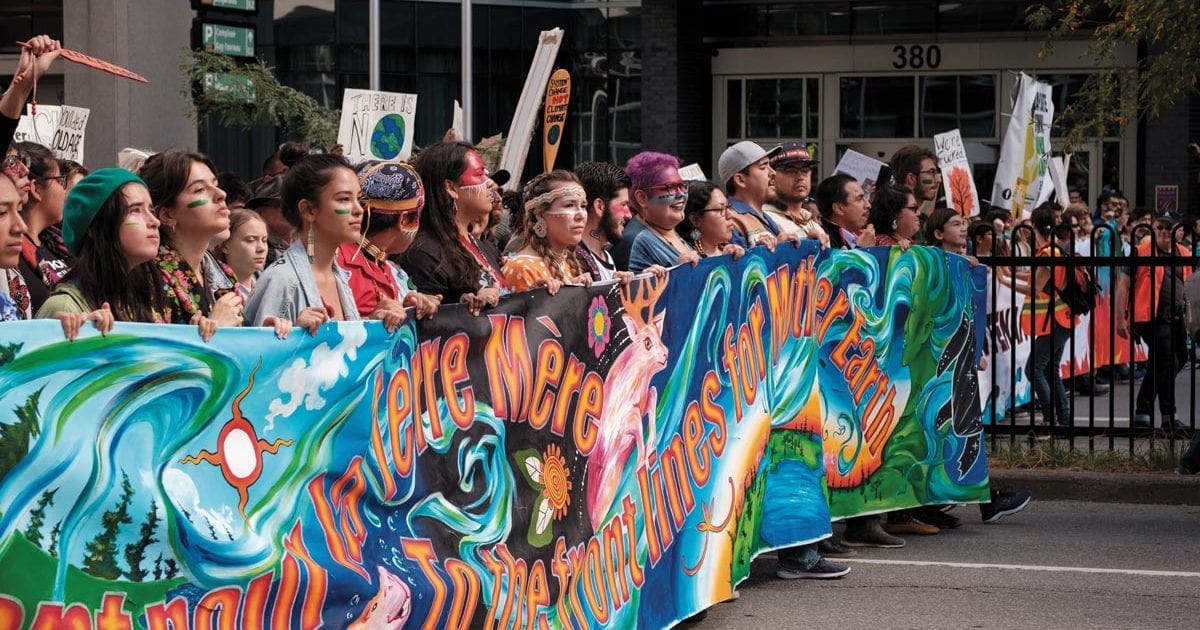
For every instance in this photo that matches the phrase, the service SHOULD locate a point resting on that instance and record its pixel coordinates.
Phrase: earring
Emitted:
(893, 225)
(539, 228)
(311, 249)
(695, 234)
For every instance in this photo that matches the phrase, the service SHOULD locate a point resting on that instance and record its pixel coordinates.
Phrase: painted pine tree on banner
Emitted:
(15, 438)
(135, 553)
(37, 518)
(101, 558)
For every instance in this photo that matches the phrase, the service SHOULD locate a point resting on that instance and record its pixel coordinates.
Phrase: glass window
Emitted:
(877, 107)
(733, 108)
(775, 108)
(967, 103)
(813, 85)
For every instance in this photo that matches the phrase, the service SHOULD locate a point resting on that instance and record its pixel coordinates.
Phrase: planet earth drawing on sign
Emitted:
(552, 137)
(388, 137)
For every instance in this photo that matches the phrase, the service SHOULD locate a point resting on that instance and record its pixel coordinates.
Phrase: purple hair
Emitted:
(643, 170)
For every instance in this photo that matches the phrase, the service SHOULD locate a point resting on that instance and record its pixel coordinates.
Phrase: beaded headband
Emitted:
(547, 198)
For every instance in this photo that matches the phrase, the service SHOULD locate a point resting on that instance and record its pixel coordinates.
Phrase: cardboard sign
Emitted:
(692, 173)
(58, 128)
(554, 116)
(861, 167)
(956, 173)
(38, 128)
(377, 125)
(516, 149)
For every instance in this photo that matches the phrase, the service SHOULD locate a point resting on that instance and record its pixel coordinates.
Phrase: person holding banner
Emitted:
(745, 172)
(894, 216)
(555, 216)
(446, 259)
(916, 168)
(845, 212)
(307, 287)
(607, 189)
(193, 212)
(44, 259)
(793, 168)
(111, 227)
(37, 55)
(14, 297)
(245, 251)
(392, 197)
(707, 225)
(659, 196)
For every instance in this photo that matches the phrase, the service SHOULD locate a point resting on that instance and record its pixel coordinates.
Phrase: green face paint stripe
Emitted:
(197, 203)
(341, 211)
(132, 224)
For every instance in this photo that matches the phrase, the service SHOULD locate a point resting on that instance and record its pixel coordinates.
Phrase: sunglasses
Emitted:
(11, 162)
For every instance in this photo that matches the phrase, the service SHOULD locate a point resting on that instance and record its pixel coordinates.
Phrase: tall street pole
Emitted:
(373, 43)
(467, 100)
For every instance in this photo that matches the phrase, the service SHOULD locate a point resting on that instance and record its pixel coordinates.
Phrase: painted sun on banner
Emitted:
(611, 456)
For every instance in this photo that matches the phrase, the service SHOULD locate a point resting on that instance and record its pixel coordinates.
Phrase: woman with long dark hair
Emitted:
(44, 259)
(306, 286)
(192, 209)
(445, 259)
(894, 215)
(110, 225)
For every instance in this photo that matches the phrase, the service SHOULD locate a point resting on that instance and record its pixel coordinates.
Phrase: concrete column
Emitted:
(148, 41)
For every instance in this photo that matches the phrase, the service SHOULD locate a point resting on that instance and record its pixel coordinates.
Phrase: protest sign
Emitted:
(956, 173)
(1008, 191)
(38, 127)
(554, 116)
(516, 149)
(67, 141)
(863, 168)
(611, 456)
(377, 125)
(692, 173)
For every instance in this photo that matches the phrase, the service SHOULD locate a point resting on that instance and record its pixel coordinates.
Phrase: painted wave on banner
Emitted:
(607, 457)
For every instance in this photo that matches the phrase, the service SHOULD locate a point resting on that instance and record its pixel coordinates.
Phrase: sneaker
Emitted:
(831, 548)
(936, 516)
(871, 535)
(822, 570)
(904, 523)
(1171, 424)
(1141, 421)
(1003, 504)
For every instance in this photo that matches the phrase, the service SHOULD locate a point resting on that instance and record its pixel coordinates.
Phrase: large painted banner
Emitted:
(607, 457)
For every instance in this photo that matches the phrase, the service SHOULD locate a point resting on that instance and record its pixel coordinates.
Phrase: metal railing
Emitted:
(1094, 354)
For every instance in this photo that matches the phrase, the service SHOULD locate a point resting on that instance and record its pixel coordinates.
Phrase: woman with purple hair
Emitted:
(657, 197)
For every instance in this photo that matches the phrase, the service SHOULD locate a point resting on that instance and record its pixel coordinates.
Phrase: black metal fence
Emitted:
(1102, 370)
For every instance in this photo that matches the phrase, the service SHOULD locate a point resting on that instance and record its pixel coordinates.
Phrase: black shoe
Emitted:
(1171, 424)
(1189, 462)
(935, 516)
(830, 548)
(822, 570)
(1003, 504)
(1141, 421)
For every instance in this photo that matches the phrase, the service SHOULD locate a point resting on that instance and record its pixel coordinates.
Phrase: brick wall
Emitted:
(676, 81)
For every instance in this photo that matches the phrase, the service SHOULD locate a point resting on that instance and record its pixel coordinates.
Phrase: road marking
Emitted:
(1026, 567)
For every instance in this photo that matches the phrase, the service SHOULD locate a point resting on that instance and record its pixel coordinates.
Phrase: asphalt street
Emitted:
(1058, 564)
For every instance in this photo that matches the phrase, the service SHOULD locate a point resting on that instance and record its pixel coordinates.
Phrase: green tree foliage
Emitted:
(135, 553)
(8, 352)
(1113, 98)
(101, 558)
(275, 105)
(54, 539)
(15, 437)
(37, 518)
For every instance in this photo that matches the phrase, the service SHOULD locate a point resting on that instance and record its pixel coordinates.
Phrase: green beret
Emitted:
(85, 199)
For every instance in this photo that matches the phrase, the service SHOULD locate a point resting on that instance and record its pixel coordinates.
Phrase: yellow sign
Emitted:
(554, 116)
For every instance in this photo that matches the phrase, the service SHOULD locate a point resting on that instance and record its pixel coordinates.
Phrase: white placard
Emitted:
(377, 125)
(67, 141)
(516, 148)
(863, 168)
(39, 128)
(692, 173)
(956, 173)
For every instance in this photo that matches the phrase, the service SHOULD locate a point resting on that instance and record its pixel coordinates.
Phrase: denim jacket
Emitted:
(288, 287)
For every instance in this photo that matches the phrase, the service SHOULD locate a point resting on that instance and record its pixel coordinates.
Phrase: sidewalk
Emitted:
(1069, 485)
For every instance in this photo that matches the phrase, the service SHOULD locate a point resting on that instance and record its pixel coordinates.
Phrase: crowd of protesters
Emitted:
(168, 238)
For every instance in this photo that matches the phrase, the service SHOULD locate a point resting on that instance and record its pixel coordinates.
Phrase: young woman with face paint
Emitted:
(707, 225)
(192, 210)
(110, 225)
(445, 259)
(44, 258)
(245, 251)
(659, 195)
(393, 198)
(555, 215)
(306, 286)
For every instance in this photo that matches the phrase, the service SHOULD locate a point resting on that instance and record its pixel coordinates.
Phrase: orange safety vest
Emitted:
(1143, 305)
(1042, 307)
